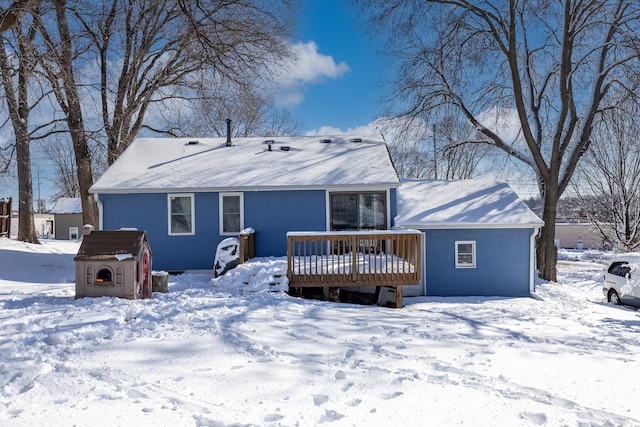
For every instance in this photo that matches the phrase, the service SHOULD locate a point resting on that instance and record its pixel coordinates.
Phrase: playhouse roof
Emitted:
(461, 204)
(202, 164)
(111, 245)
(67, 205)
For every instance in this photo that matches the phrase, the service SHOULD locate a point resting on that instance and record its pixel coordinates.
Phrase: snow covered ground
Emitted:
(230, 351)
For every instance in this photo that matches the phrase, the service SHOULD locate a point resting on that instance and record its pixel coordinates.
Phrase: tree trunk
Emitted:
(16, 98)
(75, 120)
(84, 170)
(26, 224)
(547, 251)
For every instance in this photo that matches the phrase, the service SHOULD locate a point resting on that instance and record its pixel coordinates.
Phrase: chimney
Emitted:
(228, 133)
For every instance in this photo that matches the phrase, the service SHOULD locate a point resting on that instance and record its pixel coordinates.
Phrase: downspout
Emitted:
(100, 216)
(423, 244)
(532, 261)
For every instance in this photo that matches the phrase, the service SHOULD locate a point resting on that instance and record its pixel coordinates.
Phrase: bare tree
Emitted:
(437, 151)
(58, 149)
(152, 52)
(608, 183)
(59, 69)
(459, 160)
(12, 15)
(554, 63)
(17, 64)
(252, 114)
(16, 97)
(149, 54)
(64, 179)
(409, 147)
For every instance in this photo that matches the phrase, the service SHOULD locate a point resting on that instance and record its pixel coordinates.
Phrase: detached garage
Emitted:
(479, 237)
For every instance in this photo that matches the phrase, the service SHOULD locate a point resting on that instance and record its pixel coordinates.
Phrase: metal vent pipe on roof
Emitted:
(228, 144)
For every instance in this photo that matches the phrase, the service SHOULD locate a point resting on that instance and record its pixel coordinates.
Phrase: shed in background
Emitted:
(67, 218)
(113, 263)
(578, 235)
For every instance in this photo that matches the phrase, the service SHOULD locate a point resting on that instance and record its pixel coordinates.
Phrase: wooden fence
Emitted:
(5, 217)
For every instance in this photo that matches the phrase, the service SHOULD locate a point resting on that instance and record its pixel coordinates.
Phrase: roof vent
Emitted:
(285, 148)
(269, 142)
(326, 140)
(193, 142)
(356, 140)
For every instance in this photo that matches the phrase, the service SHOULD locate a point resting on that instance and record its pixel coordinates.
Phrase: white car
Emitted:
(620, 287)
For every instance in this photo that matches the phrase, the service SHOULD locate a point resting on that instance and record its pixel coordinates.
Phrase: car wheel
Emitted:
(613, 297)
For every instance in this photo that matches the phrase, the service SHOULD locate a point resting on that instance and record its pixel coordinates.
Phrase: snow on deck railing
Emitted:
(354, 258)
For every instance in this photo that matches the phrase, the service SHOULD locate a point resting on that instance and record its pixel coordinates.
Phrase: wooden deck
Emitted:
(347, 259)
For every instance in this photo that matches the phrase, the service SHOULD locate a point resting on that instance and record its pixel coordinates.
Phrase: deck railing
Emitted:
(356, 258)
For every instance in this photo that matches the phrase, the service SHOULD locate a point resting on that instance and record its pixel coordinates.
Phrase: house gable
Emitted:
(281, 188)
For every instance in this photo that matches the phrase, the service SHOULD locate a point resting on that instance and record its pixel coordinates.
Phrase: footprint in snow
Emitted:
(320, 399)
(330, 415)
(393, 395)
(346, 386)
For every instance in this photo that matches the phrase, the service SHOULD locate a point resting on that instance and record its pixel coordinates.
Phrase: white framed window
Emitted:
(466, 254)
(73, 233)
(231, 213)
(181, 214)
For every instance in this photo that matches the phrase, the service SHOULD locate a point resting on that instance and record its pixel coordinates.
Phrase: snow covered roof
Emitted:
(67, 205)
(201, 164)
(111, 245)
(461, 204)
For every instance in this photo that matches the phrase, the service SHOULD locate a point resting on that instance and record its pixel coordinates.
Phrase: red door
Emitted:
(145, 276)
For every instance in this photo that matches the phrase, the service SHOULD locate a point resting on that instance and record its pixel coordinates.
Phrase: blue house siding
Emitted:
(270, 213)
(393, 202)
(502, 262)
(148, 212)
(273, 213)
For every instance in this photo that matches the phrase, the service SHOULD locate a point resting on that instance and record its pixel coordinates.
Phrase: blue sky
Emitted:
(348, 94)
(334, 86)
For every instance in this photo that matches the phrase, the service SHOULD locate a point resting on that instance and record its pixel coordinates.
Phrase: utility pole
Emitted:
(435, 163)
(39, 199)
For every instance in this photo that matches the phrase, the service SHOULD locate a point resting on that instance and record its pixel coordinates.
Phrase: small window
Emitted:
(73, 233)
(181, 214)
(620, 268)
(119, 276)
(89, 275)
(231, 213)
(104, 277)
(466, 254)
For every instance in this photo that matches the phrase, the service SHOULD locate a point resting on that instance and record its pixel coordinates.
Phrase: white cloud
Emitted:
(389, 127)
(308, 67)
(372, 128)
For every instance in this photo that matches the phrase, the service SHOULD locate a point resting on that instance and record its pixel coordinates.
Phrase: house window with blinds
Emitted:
(231, 213)
(465, 254)
(181, 214)
(358, 211)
